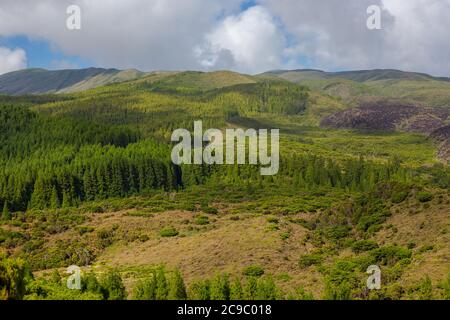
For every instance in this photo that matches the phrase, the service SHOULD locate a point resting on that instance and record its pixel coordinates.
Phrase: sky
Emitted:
(249, 36)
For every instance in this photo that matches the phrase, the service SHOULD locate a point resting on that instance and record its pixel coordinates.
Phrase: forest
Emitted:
(76, 169)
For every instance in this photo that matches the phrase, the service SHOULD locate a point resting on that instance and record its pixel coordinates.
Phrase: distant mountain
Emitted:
(37, 81)
(358, 75)
(355, 87)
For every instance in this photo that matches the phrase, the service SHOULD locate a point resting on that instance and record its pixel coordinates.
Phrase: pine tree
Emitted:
(12, 279)
(200, 290)
(112, 286)
(251, 288)
(54, 200)
(266, 289)
(236, 290)
(220, 288)
(177, 289)
(161, 285)
(6, 215)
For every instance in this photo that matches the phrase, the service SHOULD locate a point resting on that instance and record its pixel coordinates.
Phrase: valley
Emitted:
(86, 179)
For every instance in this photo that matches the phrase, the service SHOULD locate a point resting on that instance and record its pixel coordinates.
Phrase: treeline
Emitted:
(24, 131)
(99, 172)
(91, 173)
(305, 171)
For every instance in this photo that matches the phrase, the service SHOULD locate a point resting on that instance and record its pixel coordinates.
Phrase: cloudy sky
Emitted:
(247, 36)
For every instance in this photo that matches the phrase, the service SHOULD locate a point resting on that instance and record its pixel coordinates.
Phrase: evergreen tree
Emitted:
(161, 285)
(12, 279)
(236, 292)
(220, 288)
(6, 215)
(112, 286)
(177, 289)
(54, 200)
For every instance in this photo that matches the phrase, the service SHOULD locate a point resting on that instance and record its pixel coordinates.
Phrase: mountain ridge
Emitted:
(40, 81)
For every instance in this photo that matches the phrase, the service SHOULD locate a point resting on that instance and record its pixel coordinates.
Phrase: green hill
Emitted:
(368, 85)
(86, 178)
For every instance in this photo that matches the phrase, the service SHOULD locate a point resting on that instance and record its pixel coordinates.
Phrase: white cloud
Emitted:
(12, 60)
(333, 35)
(207, 34)
(250, 41)
(144, 34)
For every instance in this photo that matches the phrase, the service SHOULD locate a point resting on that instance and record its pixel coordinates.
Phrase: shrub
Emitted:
(168, 232)
(390, 255)
(363, 246)
(201, 220)
(399, 197)
(253, 271)
(424, 196)
(272, 220)
(308, 260)
(209, 210)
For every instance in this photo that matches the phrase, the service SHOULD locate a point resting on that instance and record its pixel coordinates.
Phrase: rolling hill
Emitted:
(37, 81)
(355, 87)
(86, 179)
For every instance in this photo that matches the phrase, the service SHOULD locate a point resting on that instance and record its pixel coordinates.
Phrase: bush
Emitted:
(253, 271)
(424, 196)
(272, 220)
(390, 255)
(201, 220)
(399, 197)
(308, 260)
(168, 232)
(363, 246)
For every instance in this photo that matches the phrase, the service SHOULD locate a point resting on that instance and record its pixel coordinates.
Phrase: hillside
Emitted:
(36, 81)
(355, 87)
(86, 178)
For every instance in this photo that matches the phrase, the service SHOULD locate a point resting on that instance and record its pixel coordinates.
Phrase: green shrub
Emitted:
(399, 197)
(363, 246)
(424, 196)
(201, 220)
(272, 220)
(390, 255)
(168, 232)
(308, 260)
(253, 271)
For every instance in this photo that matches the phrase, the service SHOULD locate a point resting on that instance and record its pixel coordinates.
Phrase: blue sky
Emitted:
(40, 54)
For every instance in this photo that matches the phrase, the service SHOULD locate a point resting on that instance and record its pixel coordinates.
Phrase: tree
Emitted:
(145, 290)
(12, 279)
(236, 290)
(54, 200)
(266, 289)
(220, 288)
(112, 286)
(177, 289)
(200, 290)
(161, 285)
(6, 215)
